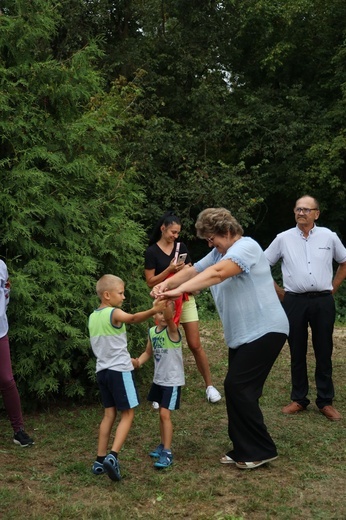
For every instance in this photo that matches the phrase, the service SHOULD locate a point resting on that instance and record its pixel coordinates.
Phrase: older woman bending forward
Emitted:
(255, 326)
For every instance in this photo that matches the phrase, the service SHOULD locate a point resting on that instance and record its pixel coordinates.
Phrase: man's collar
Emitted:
(301, 233)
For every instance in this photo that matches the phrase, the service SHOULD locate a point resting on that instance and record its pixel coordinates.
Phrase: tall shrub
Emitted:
(69, 201)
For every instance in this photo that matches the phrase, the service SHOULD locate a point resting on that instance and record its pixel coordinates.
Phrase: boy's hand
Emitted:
(159, 305)
(135, 362)
(169, 310)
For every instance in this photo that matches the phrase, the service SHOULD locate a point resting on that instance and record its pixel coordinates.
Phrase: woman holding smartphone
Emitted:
(161, 262)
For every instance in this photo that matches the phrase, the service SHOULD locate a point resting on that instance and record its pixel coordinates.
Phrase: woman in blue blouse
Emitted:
(254, 322)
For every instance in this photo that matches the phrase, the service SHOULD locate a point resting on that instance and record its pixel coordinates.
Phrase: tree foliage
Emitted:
(69, 202)
(241, 105)
(114, 111)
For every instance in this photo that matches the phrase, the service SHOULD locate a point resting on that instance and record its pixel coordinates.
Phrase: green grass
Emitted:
(53, 480)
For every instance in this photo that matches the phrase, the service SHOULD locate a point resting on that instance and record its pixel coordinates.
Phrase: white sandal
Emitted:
(253, 465)
(227, 460)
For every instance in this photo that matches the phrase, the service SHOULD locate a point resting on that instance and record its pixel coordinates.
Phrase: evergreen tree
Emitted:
(69, 201)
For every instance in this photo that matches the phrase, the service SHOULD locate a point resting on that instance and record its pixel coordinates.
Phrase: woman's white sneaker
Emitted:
(213, 396)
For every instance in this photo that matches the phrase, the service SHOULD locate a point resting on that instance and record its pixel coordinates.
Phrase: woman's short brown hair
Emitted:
(217, 221)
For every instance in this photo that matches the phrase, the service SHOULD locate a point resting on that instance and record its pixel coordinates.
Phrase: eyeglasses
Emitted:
(306, 211)
(210, 240)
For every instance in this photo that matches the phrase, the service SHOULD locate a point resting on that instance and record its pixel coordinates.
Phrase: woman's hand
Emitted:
(157, 289)
(175, 268)
(172, 294)
(186, 273)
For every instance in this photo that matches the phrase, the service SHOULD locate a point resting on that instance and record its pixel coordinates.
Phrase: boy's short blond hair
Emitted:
(107, 282)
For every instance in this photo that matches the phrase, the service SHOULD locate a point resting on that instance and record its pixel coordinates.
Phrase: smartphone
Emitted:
(182, 258)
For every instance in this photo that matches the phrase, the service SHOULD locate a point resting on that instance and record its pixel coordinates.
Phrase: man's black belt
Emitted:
(311, 294)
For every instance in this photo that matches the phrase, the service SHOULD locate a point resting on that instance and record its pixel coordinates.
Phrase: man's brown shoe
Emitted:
(331, 413)
(293, 408)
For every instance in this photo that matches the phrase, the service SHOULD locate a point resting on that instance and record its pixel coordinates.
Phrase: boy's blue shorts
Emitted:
(118, 389)
(167, 396)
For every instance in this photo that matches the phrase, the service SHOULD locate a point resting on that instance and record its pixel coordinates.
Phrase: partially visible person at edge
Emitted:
(254, 322)
(307, 253)
(164, 343)
(8, 385)
(114, 369)
(159, 264)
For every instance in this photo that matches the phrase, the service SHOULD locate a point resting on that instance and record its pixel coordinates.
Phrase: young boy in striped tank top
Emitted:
(114, 369)
(165, 344)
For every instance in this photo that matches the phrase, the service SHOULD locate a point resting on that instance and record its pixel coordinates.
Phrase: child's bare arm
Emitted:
(119, 316)
(172, 328)
(143, 358)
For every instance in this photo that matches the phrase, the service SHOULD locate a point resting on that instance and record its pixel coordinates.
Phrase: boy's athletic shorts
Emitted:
(167, 396)
(118, 389)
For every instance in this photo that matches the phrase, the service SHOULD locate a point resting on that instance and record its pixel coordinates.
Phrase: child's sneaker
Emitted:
(22, 439)
(112, 467)
(165, 460)
(97, 468)
(156, 453)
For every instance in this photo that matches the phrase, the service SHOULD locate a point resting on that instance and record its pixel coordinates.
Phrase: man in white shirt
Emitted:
(307, 253)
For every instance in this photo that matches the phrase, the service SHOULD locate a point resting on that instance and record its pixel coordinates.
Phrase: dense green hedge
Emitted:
(112, 112)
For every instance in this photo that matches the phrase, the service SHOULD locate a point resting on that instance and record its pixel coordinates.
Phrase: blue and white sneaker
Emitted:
(156, 453)
(165, 460)
(97, 468)
(111, 465)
